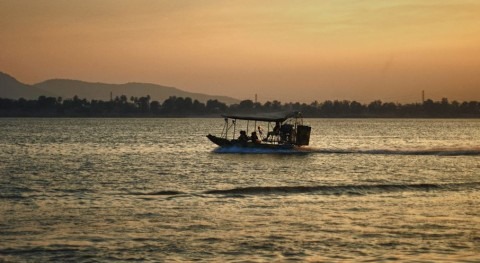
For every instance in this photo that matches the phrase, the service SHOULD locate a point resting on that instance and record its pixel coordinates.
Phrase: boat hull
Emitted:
(225, 143)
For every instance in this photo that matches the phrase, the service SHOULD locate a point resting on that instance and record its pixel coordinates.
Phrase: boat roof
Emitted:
(269, 116)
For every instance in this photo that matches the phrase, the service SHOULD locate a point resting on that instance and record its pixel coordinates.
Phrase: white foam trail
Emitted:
(471, 151)
(466, 151)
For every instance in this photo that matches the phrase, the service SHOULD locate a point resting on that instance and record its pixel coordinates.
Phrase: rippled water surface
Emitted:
(113, 190)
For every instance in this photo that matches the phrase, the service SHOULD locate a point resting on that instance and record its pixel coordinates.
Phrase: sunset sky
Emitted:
(284, 50)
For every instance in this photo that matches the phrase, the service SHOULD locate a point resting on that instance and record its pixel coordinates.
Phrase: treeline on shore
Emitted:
(121, 106)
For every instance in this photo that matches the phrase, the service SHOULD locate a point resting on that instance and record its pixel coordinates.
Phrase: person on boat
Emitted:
(254, 138)
(286, 132)
(276, 130)
(277, 127)
(243, 138)
(260, 131)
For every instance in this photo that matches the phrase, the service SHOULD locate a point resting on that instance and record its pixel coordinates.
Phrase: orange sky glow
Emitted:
(281, 50)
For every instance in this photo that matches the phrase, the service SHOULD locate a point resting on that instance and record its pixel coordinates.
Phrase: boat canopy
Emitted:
(269, 117)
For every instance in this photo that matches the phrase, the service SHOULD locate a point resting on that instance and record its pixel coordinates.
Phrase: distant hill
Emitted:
(13, 89)
(101, 91)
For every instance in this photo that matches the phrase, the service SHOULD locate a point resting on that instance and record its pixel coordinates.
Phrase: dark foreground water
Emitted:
(125, 190)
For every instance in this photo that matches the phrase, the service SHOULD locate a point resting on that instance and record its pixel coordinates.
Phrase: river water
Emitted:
(126, 190)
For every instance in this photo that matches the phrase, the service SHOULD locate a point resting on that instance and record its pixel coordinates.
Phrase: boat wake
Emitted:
(474, 151)
(430, 151)
(327, 189)
(337, 190)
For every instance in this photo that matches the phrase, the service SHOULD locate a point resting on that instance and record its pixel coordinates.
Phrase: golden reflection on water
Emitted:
(156, 196)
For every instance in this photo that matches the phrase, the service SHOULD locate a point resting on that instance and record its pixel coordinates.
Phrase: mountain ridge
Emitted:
(10, 87)
(68, 88)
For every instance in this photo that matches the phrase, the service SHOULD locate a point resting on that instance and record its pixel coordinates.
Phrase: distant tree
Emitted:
(179, 106)
(168, 106)
(123, 99)
(257, 106)
(46, 103)
(214, 106)
(143, 103)
(276, 105)
(389, 108)
(356, 108)
(155, 107)
(185, 105)
(246, 106)
(375, 107)
(198, 107)
(326, 108)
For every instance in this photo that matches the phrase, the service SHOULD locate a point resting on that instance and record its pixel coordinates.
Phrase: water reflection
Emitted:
(156, 190)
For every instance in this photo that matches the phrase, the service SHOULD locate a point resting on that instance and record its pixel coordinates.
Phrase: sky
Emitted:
(278, 49)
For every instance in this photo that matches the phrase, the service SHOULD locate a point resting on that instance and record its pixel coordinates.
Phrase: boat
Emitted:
(275, 131)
